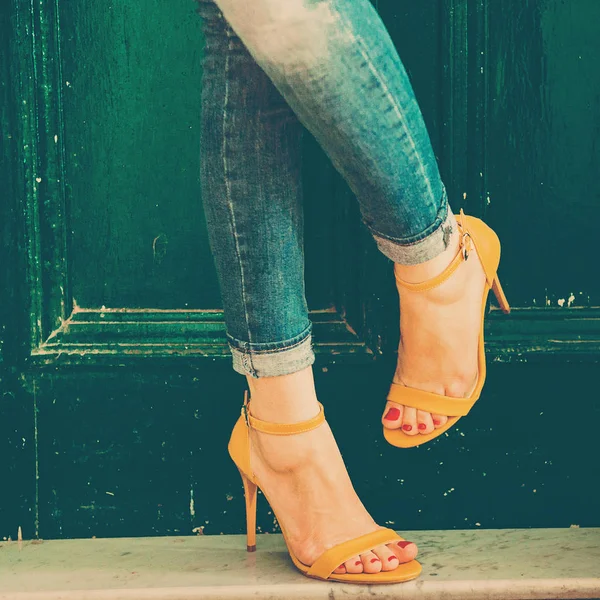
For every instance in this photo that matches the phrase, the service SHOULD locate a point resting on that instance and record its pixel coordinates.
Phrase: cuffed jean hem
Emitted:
(270, 359)
(422, 247)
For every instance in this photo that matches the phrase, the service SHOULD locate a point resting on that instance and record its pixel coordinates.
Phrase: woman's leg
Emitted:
(252, 198)
(335, 64)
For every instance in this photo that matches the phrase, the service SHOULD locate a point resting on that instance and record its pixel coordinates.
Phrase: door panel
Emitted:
(542, 151)
(131, 90)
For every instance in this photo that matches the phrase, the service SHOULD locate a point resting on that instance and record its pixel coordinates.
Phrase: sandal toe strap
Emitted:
(331, 559)
(429, 402)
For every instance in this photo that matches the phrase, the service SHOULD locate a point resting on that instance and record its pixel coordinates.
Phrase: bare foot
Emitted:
(440, 336)
(305, 479)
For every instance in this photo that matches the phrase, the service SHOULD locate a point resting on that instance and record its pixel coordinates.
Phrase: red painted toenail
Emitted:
(358, 562)
(391, 558)
(392, 414)
(436, 422)
(407, 427)
(374, 560)
(422, 426)
(404, 544)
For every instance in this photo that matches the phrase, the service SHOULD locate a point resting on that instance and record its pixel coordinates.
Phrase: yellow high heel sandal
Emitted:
(474, 232)
(323, 567)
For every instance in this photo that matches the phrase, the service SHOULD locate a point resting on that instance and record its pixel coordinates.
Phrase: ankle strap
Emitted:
(280, 428)
(465, 245)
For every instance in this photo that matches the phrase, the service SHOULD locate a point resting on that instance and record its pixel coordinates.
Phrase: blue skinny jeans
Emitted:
(271, 70)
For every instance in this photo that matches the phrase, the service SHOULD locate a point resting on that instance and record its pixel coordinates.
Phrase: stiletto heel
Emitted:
(473, 233)
(324, 567)
(499, 293)
(250, 494)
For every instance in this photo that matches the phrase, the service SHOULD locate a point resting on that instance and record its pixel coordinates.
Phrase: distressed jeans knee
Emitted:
(291, 34)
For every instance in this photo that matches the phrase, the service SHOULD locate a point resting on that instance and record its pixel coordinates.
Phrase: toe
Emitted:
(439, 420)
(340, 570)
(389, 561)
(354, 565)
(409, 421)
(392, 415)
(371, 562)
(405, 551)
(424, 422)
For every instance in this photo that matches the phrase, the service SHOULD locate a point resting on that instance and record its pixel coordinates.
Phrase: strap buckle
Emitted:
(464, 245)
(245, 408)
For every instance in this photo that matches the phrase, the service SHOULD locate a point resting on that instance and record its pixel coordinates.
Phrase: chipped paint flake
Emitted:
(192, 505)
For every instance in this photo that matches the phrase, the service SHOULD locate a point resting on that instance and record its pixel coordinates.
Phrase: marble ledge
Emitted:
(504, 564)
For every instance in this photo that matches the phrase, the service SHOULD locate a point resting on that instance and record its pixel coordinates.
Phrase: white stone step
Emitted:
(505, 564)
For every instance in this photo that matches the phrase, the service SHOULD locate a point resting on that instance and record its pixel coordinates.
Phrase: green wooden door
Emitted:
(117, 393)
